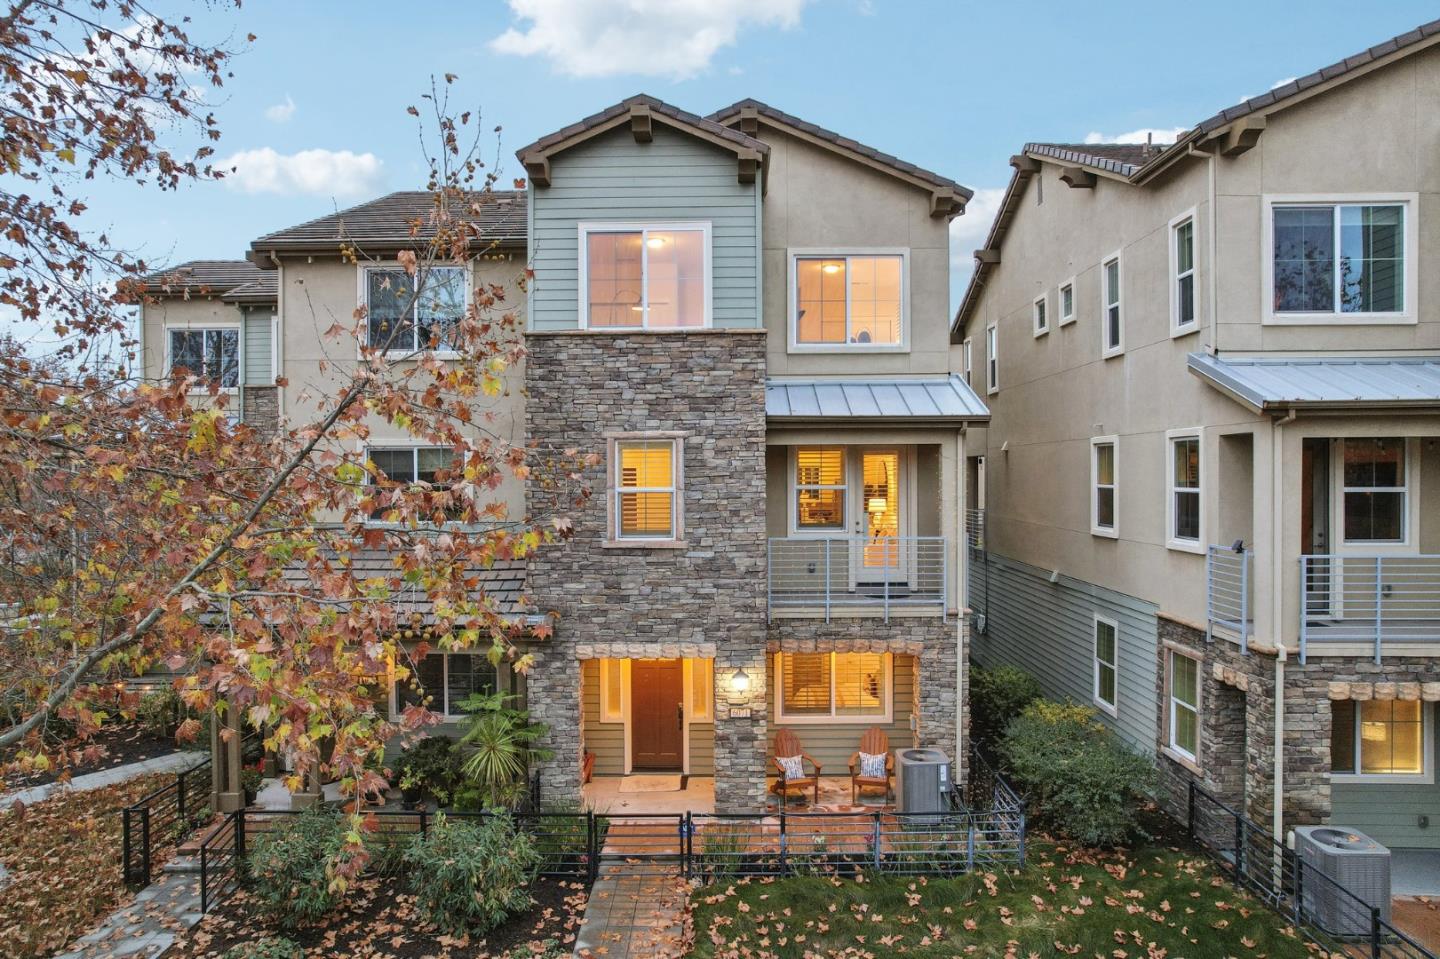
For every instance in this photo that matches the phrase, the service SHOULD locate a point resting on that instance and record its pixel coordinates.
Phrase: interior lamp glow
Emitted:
(740, 682)
(831, 268)
(876, 504)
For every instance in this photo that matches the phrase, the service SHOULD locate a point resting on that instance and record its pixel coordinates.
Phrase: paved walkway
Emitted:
(637, 908)
(148, 925)
(174, 762)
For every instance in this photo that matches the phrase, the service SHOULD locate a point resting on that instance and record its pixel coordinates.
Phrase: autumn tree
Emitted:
(141, 526)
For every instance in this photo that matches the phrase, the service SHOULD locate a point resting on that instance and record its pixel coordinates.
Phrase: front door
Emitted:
(657, 714)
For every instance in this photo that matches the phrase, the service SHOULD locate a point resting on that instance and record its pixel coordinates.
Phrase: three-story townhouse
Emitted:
(1211, 484)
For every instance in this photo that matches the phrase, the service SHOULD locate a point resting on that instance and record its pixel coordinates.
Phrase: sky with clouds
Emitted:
(314, 119)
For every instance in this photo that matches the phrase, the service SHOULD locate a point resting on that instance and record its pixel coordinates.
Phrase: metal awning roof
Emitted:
(1324, 383)
(939, 399)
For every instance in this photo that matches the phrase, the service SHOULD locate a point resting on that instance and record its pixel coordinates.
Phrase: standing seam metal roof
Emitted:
(947, 398)
(1354, 381)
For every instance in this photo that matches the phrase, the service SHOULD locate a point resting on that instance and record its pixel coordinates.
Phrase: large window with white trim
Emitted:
(406, 465)
(855, 300)
(1106, 662)
(815, 687)
(212, 354)
(443, 680)
(1376, 490)
(1380, 738)
(1183, 699)
(645, 487)
(645, 276)
(405, 313)
(1184, 504)
(1339, 259)
(820, 484)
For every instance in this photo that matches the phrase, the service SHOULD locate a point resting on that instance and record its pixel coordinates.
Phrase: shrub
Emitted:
(161, 712)
(290, 867)
(386, 847)
(433, 765)
(1079, 780)
(468, 878)
(500, 743)
(997, 696)
(271, 947)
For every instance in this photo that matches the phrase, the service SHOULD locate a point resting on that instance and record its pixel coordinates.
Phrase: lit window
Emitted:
(404, 465)
(1184, 696)
(819, 489)
(701, 673)
(1067, 302)
(1106, 659)
(613, 681)
(1039, 311)
(1182, 304)
(645, 277)
(1377, 737)
(830, 685)
(1184, 506)
(1339, 258)
(1112, 330)
(406, 313)
(645, 473)
(1375, 490)
(442, 681)
(1103, 468)
(209, 354)
(848, 300)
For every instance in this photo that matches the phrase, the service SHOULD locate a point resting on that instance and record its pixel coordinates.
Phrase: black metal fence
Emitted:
(161, 819)
(1325, 912)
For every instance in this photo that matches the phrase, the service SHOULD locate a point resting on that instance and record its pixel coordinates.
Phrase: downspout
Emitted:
(1277, 611)
(1212, 281)
(962, 589)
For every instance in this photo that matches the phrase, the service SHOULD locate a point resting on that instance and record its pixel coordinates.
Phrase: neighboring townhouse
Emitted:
(1208, 500)
(746, 317)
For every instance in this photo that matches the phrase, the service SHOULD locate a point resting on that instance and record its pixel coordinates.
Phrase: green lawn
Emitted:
(1147, 902)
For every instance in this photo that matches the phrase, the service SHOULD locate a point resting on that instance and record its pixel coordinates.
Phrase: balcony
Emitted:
(1229, 591)
(855, 576)
(1379, 602)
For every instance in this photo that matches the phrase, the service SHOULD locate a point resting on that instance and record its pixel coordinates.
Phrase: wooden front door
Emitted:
(657, 714)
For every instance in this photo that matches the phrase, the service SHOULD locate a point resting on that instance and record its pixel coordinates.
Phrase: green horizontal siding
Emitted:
(1390, 813)
(832, 744)
(607, 740)
(1047, 629)
(259, 370)
(674, 177)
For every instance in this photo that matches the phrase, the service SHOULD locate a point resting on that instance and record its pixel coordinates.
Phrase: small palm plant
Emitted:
(500, 742)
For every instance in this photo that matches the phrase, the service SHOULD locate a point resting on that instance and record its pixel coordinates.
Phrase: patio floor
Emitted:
(602, 794)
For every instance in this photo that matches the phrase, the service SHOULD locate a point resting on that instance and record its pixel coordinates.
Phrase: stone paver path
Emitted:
(636, 908)
(174, 762)
(148, 925)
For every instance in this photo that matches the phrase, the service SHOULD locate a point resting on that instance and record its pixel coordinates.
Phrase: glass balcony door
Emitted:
(879, 518)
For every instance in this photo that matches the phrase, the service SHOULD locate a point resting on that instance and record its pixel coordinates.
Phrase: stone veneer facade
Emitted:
(707, 596)
(260, 407)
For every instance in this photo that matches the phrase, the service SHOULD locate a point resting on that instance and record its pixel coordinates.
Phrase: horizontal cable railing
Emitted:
(1321, 909)
(1373, 600)
(1227, 592)
(822, 576)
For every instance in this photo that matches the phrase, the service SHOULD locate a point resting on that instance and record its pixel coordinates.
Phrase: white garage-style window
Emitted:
(443, 680)
(1382, 740)
(1182, 683)
(406, 313)
(653, 276)
(823, 687)
(848, 300)
(1340, 259)
(1107, 658)
(645, 484)
(212, 354)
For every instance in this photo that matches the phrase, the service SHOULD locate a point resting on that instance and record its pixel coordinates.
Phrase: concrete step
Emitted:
(183, 863)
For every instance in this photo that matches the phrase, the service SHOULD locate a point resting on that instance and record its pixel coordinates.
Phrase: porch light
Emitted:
(740, 681)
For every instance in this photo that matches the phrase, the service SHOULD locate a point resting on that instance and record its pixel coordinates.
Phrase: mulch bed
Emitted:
(122, 744)
(378, 921)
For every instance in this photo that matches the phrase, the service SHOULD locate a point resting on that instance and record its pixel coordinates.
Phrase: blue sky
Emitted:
(316, 110)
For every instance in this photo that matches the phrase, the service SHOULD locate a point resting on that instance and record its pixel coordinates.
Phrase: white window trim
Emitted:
(1170, 747)
(586, 227)
(1172, 541)
(1066, 319)
(1040, 306)
(992, 360)
(388, 266)
(792, 488)
(1411, 204)
(365, 447)
(613, 538)
(445, 682)
(1106, 350)
(239, 328)
(1427, 755)
(1176, 327)
(1111, 532)
(811, 720)
(792, 290)
(854, 484)
(967, 355)
(1410, 521)
(1111, 709)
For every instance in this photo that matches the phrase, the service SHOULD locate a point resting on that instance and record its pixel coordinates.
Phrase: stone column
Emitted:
(741, 729)
(226, 793)
(552, 694)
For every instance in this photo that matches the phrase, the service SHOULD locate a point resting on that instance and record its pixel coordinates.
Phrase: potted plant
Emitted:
(412, 789)
(250, 780)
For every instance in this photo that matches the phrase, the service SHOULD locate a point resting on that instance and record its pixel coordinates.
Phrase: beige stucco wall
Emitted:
(1056, 392)
(317, 293)
(817, 199)
(156, 317)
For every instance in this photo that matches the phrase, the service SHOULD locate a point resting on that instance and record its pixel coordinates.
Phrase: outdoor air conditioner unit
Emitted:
(922, 781)
(1359, 870)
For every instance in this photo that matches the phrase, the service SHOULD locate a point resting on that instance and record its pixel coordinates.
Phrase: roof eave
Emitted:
(910, 421)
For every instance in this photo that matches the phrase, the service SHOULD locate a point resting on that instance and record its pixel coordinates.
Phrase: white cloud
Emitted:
(1159, 135)
(968, 232)
(325, 172)
(1274, 86)
(606, 38)
(281, 112)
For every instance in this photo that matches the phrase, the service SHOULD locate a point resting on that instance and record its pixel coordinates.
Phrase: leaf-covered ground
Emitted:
(1145, 903)
(378, 921)
(63, 856)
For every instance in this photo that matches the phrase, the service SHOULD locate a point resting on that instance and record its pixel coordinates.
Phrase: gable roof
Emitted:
(638, 111)
(739, 112)
(385, 224)
(211, 278)
(1232, 130)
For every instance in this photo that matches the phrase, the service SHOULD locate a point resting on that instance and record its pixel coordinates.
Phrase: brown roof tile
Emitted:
(545, 143)
(384, 223)
(1121, 158)
(209, 277)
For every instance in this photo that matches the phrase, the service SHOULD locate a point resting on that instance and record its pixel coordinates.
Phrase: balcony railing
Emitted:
(1378, 601)
(858, 576)
(1227, 592)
